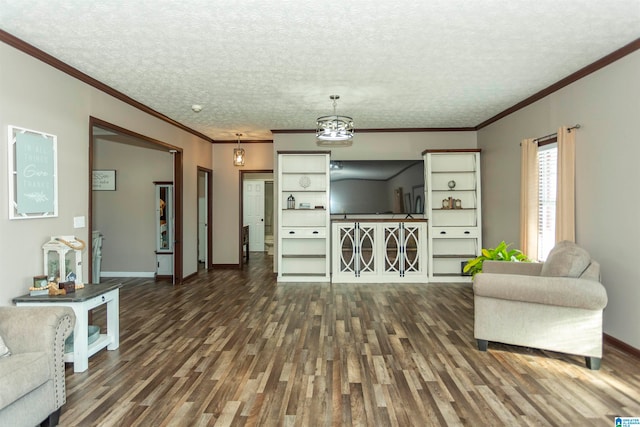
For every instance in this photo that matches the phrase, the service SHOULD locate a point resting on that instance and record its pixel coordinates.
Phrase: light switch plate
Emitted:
(78, 222)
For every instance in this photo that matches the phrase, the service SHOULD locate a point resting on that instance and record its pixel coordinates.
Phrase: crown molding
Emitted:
(571, 78)
(382, 130)
(33, 51)
(74, 72)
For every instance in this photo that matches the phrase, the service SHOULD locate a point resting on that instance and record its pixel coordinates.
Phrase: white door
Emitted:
(253, 213)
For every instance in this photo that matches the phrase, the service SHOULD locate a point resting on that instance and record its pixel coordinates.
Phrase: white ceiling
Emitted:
(258, 65)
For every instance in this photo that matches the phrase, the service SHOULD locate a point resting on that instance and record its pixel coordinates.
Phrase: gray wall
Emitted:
(35, 96)
(126, 216)
(607, 106)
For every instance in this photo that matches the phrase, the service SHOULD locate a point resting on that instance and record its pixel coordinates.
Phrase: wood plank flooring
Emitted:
(233, 348)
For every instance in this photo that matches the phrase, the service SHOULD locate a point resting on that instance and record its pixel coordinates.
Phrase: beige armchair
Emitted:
(32, 377)
(556, 305)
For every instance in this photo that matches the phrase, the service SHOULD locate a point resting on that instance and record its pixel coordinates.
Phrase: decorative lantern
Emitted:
(63, 259)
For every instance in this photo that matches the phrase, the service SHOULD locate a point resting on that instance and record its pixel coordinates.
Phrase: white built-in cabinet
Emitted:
(453, 210)
(303, 216)
(164, 229)
(379, 251)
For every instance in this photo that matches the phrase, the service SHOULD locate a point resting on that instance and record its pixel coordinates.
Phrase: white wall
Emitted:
(607, 106)
(36, 96)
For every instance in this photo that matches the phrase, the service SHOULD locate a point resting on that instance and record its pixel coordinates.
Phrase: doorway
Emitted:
(256, 211)
(205, 217)
(110, 133)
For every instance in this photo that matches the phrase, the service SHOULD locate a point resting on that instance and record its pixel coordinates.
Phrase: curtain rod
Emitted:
(555, 134)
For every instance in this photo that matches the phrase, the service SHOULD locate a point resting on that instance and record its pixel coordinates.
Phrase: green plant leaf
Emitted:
(499, 253)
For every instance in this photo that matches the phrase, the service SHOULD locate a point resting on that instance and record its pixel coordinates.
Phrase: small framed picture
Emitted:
(103, 180)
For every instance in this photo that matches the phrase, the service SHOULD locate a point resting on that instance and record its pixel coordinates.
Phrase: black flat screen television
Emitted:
(360, 187)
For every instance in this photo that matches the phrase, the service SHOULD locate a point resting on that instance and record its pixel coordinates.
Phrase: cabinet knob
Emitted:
(467, 232)
(316, 232)
(292, 232)
(443, 232)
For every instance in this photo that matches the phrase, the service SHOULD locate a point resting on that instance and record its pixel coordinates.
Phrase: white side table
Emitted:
(82, 301)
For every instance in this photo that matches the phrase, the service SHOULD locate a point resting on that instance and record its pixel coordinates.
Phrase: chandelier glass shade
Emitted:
(334, 127)
(238, 156)
(238, 153)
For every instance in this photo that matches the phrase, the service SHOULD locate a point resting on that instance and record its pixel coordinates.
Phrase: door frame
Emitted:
(241, 209)
(177, 191)
(209, 180)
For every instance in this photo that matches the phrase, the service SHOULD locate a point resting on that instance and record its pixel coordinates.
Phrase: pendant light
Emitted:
(238, 153)
(334, 130)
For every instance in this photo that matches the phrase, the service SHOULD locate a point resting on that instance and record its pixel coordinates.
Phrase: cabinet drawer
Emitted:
(450, 232)
(303, 233)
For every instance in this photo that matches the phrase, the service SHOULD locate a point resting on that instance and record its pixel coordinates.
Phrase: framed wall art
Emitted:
(103, 180)
(33, 174)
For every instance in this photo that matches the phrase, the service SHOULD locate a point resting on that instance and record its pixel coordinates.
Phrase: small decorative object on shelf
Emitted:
(304, 205)
(457, 204)
(40, 281)
(304, 182)
(291, 202)
(40, 286)
(69, 287)
(451, 184)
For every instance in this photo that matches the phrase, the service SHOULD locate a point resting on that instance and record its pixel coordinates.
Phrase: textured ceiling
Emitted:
(260, 65)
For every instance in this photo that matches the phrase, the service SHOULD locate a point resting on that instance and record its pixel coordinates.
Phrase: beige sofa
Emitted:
(556, 305)
(32, 377)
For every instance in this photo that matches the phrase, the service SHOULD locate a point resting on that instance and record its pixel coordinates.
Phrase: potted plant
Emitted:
(499, 253)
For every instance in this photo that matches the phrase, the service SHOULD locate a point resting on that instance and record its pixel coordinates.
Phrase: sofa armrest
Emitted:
(509, 267)
(31, 329)
(40, 329)
(558, 291)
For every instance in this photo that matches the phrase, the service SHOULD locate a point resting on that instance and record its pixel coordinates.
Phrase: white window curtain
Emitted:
(565, 204)
(566, 199)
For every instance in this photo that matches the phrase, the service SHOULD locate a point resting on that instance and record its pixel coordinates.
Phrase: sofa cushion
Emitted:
(4, 350)
(566, 259)
(20, 374)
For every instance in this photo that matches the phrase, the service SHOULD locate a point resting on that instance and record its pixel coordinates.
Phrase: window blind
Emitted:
(547, 189)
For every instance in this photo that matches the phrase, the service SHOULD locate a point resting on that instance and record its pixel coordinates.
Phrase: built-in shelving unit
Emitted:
(303, 216)
(453, 211)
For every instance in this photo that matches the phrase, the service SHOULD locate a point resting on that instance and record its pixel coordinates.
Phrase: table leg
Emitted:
(80, 339)
(113, 321)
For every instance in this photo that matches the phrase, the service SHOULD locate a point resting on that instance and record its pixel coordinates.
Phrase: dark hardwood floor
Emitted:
(234, 348)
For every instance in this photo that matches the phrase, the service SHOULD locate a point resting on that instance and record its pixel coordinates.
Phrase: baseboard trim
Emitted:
(621, 345)
(127, 274)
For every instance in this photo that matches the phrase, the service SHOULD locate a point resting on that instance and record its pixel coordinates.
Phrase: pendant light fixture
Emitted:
(334, 130)
(238, 153)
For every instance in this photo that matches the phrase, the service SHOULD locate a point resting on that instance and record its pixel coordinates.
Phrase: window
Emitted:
(547, 190)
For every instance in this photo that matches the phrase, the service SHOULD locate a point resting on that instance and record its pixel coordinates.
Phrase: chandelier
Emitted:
(238, 153)
(334, 129)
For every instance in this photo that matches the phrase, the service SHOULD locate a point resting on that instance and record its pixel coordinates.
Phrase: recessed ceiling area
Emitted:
(260, 66)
